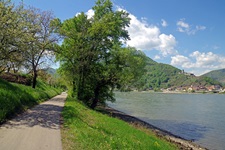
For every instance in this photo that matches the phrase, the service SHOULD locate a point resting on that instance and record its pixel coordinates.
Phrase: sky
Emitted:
(188, 34)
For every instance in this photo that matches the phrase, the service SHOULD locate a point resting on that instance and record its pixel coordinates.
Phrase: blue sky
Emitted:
(188, 34)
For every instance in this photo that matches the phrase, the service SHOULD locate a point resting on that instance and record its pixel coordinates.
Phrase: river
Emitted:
(196, 117)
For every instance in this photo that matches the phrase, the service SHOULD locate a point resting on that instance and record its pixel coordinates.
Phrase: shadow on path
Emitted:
(46, 115)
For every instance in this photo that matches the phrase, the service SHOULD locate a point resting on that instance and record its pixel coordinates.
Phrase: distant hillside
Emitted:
(218, 75)
(50, 71)
(159, 75)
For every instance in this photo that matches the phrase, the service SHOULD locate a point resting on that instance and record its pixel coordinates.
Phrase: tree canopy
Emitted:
(93, 57)
(26, 37)
(11, 35)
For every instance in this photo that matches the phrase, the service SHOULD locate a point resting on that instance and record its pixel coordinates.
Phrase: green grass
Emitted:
(15, 98)
(86, 129)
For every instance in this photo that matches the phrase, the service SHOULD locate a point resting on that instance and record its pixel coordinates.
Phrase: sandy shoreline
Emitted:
(180, 142)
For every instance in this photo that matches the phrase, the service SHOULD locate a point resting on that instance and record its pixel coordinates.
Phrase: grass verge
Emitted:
(86, 129)
(15, 98)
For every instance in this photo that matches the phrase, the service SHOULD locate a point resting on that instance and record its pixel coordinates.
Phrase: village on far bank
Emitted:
(196, 89)
(191, 88)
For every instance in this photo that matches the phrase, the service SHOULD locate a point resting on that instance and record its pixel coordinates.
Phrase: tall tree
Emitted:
(40, 39)
(107, 30)
(75, 56)
(11, 34)
(94, 56)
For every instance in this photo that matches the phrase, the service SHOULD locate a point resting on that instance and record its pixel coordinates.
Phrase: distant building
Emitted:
(186, 73)
(214, 88)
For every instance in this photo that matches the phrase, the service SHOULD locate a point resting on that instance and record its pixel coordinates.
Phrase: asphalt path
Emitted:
(36, 129)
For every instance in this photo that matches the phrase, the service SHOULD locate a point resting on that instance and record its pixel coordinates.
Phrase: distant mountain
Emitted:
(51, 71)
(218, 75)
(159, 75)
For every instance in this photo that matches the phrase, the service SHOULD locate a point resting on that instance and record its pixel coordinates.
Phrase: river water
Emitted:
(197, 117)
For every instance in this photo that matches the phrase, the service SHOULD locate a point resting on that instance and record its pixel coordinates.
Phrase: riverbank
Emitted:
(84, 129)
(180, 142)
(182, 92)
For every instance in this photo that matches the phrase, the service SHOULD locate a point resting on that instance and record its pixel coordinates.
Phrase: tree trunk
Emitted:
(73, 88)
(95, 100)
(74, 85)
(8, 69)
(80, 89)
(80, 92)
(34, 79)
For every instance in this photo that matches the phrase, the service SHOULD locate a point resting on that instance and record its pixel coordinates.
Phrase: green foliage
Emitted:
(52, 78)
(93, 59)
(27, 38)
(157, 76)
(41, 40)
(11, 35)
(15, 97)
(86, 129)
(160, 75)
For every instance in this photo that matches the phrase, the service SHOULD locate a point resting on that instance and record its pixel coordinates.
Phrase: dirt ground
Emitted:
(36, 129)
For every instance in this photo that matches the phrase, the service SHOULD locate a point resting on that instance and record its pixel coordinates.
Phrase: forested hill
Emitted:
(50, 71)
(159, 75)
(218, 75)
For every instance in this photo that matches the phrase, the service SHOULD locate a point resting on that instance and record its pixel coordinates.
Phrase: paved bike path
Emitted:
(36, 129)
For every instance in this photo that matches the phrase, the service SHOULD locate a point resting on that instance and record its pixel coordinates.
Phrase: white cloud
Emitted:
(208, 60)
(148, 37)
(180, 60)
(167, 44)
(90, 13)
(77, 14)
(184, 27)
(157, 57)
(164, 23)
(198, 62)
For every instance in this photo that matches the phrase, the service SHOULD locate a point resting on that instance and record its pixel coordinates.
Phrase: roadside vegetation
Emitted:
(27, 39)
(15, 98)
(94, 61)
(27, 44)
(86, 129)
(93, 58)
